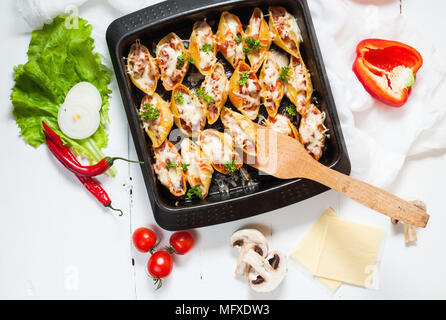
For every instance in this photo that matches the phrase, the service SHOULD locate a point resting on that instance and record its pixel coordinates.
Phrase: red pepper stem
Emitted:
(110, 206)
(111, 160)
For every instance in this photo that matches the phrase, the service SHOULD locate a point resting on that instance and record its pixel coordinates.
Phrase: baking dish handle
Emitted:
(153, 14)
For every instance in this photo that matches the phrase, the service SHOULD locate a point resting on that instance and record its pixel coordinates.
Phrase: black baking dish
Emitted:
(151, 24)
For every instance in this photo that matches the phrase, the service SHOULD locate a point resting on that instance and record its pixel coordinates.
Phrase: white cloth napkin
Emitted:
(378, 137)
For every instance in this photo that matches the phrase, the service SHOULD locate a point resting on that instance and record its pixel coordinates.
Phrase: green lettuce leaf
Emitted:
(58, 58)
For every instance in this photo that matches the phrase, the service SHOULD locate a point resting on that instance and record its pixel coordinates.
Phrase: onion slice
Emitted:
(77, 120)
(84, 93)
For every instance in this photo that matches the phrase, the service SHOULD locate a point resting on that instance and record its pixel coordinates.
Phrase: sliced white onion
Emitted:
(85, 93)
(77, 120)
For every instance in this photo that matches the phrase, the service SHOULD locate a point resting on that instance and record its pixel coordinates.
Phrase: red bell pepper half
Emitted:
(387, 69)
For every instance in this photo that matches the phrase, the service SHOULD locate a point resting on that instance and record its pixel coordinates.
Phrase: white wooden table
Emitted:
(57, 242)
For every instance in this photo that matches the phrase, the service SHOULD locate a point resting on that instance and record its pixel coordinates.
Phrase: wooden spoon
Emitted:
(284, 157)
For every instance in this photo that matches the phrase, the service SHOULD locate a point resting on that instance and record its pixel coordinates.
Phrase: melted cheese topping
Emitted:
(239, 134)
(219, 152)
(312, 131)
(204, 36)
(270, 80)
(191, 112)
(199, 167)
(280, 124)
(142, 69)
(171, 178)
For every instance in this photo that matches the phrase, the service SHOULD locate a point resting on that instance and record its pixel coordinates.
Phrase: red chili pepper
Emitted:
(74, 166)
(91, 184)
(387, 69)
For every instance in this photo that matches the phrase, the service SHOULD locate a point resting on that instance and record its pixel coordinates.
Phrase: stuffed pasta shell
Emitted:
(280, 123)
(285, 30)
(203, 47)
(257, 39)
(142, 68)
(197, 166)
(168, 167)
(244, 91)
(218, 146)
(241, 129)
(172, 59)
(156, 118)
(214, 92)
(189, 113)
(299, 88)
(273, 88)
(313, 131)
(230, 38)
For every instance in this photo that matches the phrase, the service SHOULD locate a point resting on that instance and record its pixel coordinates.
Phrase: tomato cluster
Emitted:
(160, 262)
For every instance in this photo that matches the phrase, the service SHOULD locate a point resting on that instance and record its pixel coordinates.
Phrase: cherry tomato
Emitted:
(181, 242)
(159, 266)
(144, 239)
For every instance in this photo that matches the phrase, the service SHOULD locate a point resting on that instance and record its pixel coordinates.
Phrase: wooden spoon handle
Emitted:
(368, 195)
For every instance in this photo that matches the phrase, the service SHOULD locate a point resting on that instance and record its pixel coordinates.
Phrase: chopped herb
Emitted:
(209, 99)
(230, 166)
(284, 74)
(207, 47)
(150, 112)
(194, 190)
(185, 166)
(179, 98)
(291, 110)
(171, 164)
(252, 44)
(201, 93)
(180, 60)
(238, 39)
(190, 60)
(243, 78)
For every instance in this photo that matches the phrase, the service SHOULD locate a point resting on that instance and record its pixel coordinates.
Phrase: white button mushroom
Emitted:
(248, 240)
(266, 274)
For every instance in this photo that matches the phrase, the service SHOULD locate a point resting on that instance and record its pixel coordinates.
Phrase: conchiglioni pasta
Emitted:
(142, 68)
(285, 30)
(172, 59)
(218, 146)
(244, 91)
(282, 124)
(168, 167)
(231, 38)
(272, 88)
(214, 92)
(156, 117)
(312, 131)
(203, 47)
(299, 88)
(257, 34)
(241, 129)
(189, 113)
(199, 169)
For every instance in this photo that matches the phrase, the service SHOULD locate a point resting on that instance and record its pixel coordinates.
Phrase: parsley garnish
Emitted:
(209, 99)
(171, 164)
(207, 47)
(291, 110)
(243, 78)
(194, 190)
(180, 60)
(179, 98)
(149, 112)
(284, 74)
(238, 39)
(191, 61)
(230, 166)
(201, 93)
(185, 166)
(252, 44)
